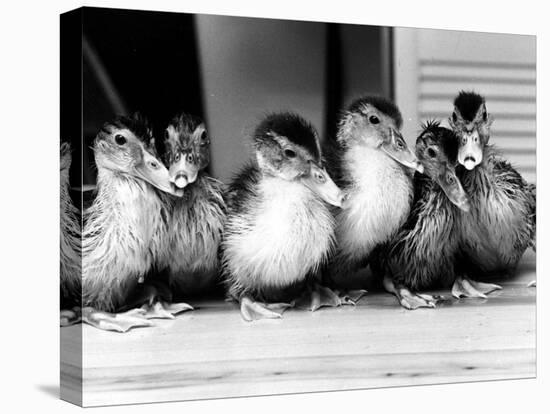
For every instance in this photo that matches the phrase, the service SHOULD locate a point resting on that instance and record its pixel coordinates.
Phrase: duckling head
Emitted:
(287, 147)
(471, 123)
(375, 122)
(126, 146)
(437, 150)
(187, 149)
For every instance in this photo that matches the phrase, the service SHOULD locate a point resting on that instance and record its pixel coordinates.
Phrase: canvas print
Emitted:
(254, 206)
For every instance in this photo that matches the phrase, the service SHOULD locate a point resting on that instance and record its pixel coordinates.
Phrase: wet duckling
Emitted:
(195, 221)
(279, 230)
(70, 244)
(371, 162)
(502, 223)
(423, 254)
(124, 235)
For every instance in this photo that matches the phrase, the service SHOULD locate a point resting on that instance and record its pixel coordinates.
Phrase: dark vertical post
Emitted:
(333, 79)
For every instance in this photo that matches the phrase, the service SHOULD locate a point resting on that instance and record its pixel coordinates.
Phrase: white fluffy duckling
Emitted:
(373, 165)
(279, 229)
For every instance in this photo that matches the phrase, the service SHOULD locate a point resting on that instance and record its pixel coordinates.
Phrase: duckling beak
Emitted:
(470, 153)
(321, 184)
(454, 191)
(395, 146)
(154, 172)
(184, 172)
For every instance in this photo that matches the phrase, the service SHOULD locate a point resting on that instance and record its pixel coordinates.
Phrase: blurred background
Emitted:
(231, 71)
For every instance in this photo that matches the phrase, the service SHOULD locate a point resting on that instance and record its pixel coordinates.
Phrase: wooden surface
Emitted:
(212, 352)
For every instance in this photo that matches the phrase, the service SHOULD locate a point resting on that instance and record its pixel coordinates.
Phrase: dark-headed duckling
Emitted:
(371, 163)
(195, 221)
(502, 223)
(423, 254)
(279, 230)
(70, 243)
(124, 235)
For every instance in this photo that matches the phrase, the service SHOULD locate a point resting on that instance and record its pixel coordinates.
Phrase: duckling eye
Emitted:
(320, 177)
(154, 165)
(289, 153)
(177, 156)
(450, 179)
(400, 144)
(374, 119)
(120, 139)
(431, 153)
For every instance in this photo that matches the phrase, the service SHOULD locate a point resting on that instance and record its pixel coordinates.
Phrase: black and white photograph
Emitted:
(260, 208)
(292, 206)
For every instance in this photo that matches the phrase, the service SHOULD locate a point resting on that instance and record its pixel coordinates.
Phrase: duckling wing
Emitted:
(332, 155)
(242, 188)
(518, 191)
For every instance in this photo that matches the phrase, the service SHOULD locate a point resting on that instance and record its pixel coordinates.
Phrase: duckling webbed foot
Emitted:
(152, 297)
(119, 322)
(68, 317)
(252, 310)
(317, 296)
(164, 310)
(410, 300)
(468, 288)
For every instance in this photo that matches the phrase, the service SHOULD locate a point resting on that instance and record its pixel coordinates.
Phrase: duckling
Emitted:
(278, 230)
(371, 162)
(502, 223)
(423, 254)
(70, 244)
(124, 235)
(195, 221)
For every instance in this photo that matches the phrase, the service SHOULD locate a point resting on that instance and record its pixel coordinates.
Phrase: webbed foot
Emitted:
(317, 296)
(164, 310)
(252, 310)
(68, 317)
(468, 288)
(119, 322)
(532, 283)
(156, 301)
(410, 300)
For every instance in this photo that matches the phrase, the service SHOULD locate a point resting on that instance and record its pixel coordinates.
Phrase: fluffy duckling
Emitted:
(124, 235)
(502, 223)
(278, 229)
(70, 243)
(423, 254)
(371, 163)
(195, 221)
